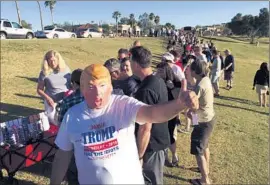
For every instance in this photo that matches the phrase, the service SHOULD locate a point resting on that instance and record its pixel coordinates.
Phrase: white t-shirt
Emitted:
(178, 72)
(103, 141)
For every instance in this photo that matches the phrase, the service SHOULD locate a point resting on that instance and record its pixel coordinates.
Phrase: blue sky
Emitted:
(179, 13)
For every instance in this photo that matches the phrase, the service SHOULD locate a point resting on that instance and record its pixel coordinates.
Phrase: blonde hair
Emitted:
(137, 43)
(46, 69)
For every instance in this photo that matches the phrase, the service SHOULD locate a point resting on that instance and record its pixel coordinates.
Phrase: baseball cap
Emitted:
(168, 56)
(76, 76)
(112, 64)
(95, 72)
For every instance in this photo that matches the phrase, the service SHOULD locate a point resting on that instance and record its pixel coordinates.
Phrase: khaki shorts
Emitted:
(261, 89)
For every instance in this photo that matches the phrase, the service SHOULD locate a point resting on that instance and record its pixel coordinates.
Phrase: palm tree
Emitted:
(151, 16)
(168, 25)
(51, 5)
(40, 13)
(157, 20)
(116, 15)
(132, 20)
(18, 13)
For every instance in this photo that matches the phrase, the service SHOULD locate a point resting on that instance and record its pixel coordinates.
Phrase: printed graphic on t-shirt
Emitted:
(100, 142)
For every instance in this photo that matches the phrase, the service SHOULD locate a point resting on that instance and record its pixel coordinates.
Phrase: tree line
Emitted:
(251, 26)
(145, 21)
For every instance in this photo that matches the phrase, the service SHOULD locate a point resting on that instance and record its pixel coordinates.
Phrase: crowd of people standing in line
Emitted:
(220, 65)
(96, 109)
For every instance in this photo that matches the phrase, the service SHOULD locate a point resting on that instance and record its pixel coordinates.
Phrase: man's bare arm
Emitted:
(163, 112)
(143, 138)
(60, 165)
(229, 66)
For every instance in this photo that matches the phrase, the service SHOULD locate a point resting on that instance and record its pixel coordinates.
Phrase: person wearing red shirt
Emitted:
(177, 58)
(189, 47)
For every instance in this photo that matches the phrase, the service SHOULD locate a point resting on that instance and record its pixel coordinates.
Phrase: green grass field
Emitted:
(239, 144)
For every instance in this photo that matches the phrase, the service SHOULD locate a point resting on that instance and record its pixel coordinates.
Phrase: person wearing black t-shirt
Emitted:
(173, 84)
(228, 68)
(152, 139)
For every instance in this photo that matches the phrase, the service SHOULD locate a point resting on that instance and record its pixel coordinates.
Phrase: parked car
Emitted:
(13, 30)
(53, 32)
(89, 33)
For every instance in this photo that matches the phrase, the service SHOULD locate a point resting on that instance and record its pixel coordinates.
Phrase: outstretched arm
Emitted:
(163, 112)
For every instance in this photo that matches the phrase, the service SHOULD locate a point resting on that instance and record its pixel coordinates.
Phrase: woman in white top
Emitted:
(169, 58)
(215, 72)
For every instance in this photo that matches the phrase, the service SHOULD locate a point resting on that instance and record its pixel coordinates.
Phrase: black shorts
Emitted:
(200, 137)
(171, 125)
(228, 75)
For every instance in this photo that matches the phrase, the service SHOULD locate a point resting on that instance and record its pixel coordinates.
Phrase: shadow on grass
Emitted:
(243, 39)
(236, 107)
(15, 111)
(239, 100)
(247, 40)
(28, 78)
(156, 59)
(176, 177)
(45, 169)
(5, 181)
(220, 39)
(28, 96)
(154, 64)
(41, 169)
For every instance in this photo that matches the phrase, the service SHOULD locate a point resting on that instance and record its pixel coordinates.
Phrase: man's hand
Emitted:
(253, 88)
(163, 112)
(189, 98)
(50, 102)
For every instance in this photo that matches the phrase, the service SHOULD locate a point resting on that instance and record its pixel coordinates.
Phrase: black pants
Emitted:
(72, 173)
(171, 126)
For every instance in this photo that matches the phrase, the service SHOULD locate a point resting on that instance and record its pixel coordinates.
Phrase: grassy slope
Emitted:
(239, 144)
